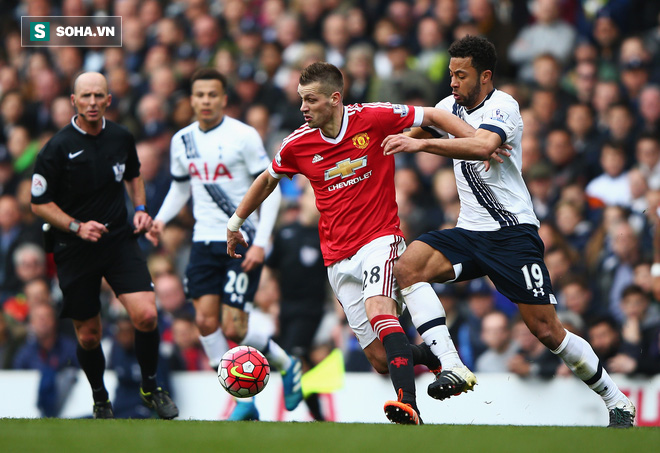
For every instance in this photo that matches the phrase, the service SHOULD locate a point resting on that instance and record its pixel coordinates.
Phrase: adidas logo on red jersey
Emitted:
(316, 158)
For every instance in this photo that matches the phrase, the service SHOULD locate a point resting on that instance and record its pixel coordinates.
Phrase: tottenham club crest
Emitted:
(361, 140)
(119, 170)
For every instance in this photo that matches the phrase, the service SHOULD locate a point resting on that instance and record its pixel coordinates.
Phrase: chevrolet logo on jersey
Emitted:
(346, 168)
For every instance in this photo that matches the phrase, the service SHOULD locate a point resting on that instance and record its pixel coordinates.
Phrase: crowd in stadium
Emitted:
(585, 73)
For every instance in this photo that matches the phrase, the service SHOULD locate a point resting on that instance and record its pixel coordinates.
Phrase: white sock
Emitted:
(258, 336)
(580, 357)
(215, 345)
(428, 316)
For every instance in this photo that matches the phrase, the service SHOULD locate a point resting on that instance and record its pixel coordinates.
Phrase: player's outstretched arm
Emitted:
(480, 147)
(447, 121)
(260, 189)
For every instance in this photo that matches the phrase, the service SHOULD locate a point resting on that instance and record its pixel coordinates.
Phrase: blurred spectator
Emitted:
(572, 224)
(577, 297)
(496, 335)
(155, 174)
(606, 94)
(433, 59)
(541, 188)
(13, 235)
(621, 126)
(481, 301)
(616, 269)
(207, 37)
(546, 75)
(187, 346)
(549, 33)
(649, 109)
(568, 165)
(583, 80)
(604, 335)
(61, 112)
(47, 86)
(10, 342)
(635, 63)
(8, 178)
(639, 331)
(360, 71)
(402, 79)
(336, 37)
(494, 21)
(607, 35)
(12, 112)
(612, 187)
(23, 149)
(581, 123)
(561, 261)
(647, 154)
(53, 355)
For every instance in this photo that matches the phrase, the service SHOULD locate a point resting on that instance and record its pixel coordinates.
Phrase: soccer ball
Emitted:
(243, 371)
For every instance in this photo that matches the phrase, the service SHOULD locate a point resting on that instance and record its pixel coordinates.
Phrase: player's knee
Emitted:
(146, 320)
(234, 331)
(380, 367)
(89, 340)
(207, 324)
(405, 273)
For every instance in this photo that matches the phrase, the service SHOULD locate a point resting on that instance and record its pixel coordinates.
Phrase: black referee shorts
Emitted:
(81, 266)
(512, 257)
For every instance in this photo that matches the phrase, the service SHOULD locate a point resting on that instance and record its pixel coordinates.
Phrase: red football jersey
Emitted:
(352, 179)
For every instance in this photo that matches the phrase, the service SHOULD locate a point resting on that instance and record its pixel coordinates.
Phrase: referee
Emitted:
(78, 188)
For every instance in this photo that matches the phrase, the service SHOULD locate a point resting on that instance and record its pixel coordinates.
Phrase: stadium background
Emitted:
(584, 72)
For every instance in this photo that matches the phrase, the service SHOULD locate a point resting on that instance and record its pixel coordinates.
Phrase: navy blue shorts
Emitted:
(512, 257)
(212, 271)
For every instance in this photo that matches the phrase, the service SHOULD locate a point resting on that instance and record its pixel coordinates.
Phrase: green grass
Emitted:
(145, 436)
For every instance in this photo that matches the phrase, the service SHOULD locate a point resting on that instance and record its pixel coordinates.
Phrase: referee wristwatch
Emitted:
(74, 226)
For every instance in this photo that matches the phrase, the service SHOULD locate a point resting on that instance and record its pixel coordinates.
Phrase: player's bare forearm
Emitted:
(447, 121)
(480, 147)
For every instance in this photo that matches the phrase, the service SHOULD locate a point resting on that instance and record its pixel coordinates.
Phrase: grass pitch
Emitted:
(146, 436)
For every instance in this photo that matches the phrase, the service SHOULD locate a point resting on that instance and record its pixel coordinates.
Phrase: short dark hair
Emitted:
(327, 74)
(209, 74)
(482, 52)
(633, 289)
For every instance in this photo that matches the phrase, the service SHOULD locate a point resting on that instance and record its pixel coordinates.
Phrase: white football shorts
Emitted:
(366, 274)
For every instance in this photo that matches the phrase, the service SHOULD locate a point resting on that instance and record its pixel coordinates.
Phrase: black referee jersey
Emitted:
(84, 175)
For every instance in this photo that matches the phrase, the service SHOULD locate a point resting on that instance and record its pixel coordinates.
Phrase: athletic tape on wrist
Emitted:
(234, 223)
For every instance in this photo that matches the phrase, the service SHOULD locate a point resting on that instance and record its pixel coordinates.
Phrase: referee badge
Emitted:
(119, 171)
(38, 185)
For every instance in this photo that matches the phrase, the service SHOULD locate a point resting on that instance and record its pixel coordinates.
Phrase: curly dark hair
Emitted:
(329, 75)
(480, 49)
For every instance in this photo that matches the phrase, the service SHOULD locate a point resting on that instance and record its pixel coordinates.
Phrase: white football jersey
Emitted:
(221, 164)
(498, 197)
